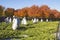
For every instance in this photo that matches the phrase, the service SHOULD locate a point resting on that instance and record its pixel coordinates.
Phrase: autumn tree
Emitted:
(22, 12)
(1, 11)
(44, 12)
(9, 12)
(55, 13)
(15, 12)
(59, 15)
(33, 11)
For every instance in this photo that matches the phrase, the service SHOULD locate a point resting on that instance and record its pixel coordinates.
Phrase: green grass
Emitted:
(38, 31)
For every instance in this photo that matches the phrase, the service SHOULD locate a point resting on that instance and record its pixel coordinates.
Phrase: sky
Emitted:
(18, 4)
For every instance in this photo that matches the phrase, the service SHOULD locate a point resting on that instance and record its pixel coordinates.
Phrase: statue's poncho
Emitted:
(37, 20)
(10, 20)
(24, 21)
(7, 20)
(14, 25)
(34, 21)
(46, 20)
(41, 20)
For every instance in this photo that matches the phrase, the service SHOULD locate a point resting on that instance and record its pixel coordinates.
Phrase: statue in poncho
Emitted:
(15, 22)
(24, 22)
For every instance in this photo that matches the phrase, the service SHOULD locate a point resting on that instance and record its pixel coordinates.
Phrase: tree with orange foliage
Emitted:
(1, 10)
(58, 15)
(22, 12)
(33, 11)
(55, 13)
(16, 13)
(9, 12)
(44, 12)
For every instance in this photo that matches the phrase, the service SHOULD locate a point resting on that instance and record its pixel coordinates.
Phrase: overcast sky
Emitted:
(17, 4)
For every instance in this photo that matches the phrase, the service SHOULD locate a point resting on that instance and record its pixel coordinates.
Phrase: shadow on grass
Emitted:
(22, 28)
(10, 38)
(25, 27)
(29, 24)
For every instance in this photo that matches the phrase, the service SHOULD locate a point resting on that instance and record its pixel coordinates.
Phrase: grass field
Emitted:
(38, 31)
